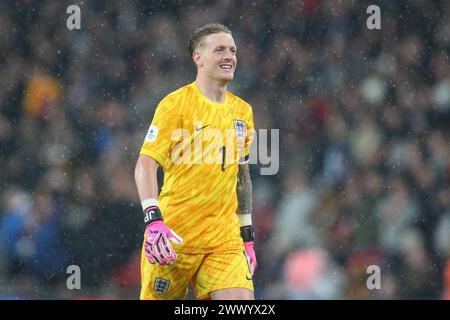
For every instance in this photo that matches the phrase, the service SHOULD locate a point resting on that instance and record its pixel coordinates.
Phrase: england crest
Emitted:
(161, 286)
(241, 130)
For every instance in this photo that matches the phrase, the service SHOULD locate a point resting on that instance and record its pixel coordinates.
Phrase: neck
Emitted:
(212, 89)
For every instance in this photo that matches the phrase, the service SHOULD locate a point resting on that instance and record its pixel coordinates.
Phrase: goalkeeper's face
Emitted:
(216, 57)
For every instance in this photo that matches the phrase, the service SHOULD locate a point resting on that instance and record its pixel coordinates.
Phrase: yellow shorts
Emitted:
(206, 272)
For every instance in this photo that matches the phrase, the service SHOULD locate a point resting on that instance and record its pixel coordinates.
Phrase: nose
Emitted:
(229, 55)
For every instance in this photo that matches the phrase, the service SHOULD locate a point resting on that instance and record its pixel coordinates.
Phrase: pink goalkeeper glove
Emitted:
(251, 256)
(157, 246)
(248, 236)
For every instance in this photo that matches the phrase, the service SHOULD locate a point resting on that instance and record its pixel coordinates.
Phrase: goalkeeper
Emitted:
(199, 228)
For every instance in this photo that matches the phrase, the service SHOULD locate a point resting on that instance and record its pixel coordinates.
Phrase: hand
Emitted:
(157, 246)
(251, 256)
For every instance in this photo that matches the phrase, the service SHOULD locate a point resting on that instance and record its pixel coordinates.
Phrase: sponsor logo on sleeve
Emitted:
(152, 133)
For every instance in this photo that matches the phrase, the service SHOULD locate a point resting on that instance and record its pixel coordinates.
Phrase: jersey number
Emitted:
(223, 157)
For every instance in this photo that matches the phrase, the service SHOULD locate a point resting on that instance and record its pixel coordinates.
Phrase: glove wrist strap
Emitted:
(247, 233)
(152, 214)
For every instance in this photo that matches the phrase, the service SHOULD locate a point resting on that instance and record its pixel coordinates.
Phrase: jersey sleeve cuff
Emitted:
(152, 154)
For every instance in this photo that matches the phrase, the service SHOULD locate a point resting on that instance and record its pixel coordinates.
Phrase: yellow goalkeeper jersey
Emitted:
(199, 144)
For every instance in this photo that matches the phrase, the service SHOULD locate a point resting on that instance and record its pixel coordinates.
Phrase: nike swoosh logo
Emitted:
(198, 129)
(249, 278)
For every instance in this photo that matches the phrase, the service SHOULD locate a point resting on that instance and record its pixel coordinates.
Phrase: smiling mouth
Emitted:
(226, 67)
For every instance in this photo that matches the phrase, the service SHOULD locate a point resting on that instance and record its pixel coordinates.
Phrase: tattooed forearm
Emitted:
(244, 190)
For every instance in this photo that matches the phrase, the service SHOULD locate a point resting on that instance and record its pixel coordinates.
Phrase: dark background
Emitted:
(364, 141)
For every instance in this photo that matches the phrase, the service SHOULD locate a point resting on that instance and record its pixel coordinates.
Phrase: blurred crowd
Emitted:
(364, 141)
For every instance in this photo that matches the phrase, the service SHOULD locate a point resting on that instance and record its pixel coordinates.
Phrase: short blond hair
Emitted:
(202, 32)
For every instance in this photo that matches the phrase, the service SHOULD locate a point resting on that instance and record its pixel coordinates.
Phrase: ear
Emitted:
(197, 59)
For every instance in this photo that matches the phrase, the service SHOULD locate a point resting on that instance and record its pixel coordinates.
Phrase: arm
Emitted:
(145, 175)
(244, 195)
(157, 234)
